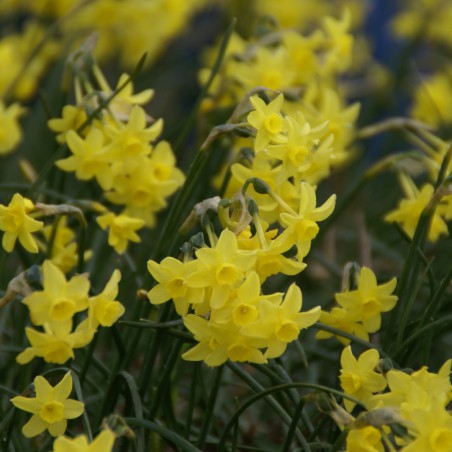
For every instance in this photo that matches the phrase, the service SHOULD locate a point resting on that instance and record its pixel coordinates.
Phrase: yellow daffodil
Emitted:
(104, 442)
(60, 299)
(302, 139)
(171, 275)
(358, 377)
(72, 118)
(303, 225)
(104, 310)
(242, 308)
(410, 209)
(430, 99)
(89, 157)
(17, 224)
(281, 324)
(133, 139)
(366, 439)
(432, 429)
(369, 300)
(218, 343)
(121, 230)
(64, 247)
(51, 407)
(417, 391)
(56, 345)
(268, 121)
(222, 267)
(10, 131)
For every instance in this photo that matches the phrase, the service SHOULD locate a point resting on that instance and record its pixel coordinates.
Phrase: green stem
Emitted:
(430, 327)
(192, 398)
(407, 308)
(88, 357)
(165, 380)
(435, 301)
(293, 425)
(208, 415)
(257, 387)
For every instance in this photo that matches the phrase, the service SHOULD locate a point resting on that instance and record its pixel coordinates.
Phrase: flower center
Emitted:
(297, 154)
(268, 265)
(141, 198)
(162, 172)
(371, 307)
(306, 230)
(244, 314)
(239, 353)
(288, 331)
(51, 412)
(58, 352)
(272, 79)
(273, 123)
(351, 382)
(440, 440)
(62, 309)
(227, 274)
(176, 287)
(107, 312)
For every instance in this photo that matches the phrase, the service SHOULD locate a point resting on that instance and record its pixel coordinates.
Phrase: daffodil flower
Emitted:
(16, 223)
(104, 442)
(51, 408)
(121, 230)
(60, 299)
(104, 310)
(268, 121)
(358, 377)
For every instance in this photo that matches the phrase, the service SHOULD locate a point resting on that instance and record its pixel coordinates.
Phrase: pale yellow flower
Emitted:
(51, 407)
(103, 442)
(17, 224)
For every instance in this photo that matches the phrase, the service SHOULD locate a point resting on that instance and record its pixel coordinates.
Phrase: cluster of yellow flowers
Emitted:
(117, 149)
(154, 23)
(359, 310)
(416, 401)
(25, 54)
(288, 150)
(54, 307)
(427, 18)
(434, 151)
(430, 99)
(306, 70)
(223, 281)
(304, 15)
(19, 221)
(19, 78)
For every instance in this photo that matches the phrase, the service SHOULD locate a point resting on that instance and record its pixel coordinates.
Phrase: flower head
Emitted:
(369, 300)
(104, 310)
(60, 299)
(358, 377)
(51, 407)
(104, 442)
(122, 230)
(17, 224)
(56, 345)
(10, 133)
(268, 121)
(366, 439)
